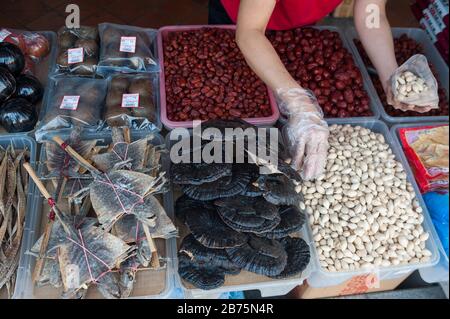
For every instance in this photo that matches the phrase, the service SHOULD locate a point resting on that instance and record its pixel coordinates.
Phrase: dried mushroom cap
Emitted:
(209, 256)
(185, 204)
(292, 220)
(260, 255)
(223, 187)
(207, 227)
(279, 190)
(201, 277)
(133, 154)
(298, 257)
(248, 214)
(196, 174)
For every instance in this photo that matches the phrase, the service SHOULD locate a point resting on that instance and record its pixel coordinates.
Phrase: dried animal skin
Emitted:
(279, 190)
(209, 256)
(81, 266)
(260, 255)
(202, 277)
(109, 286)
(50, 274)
(248, 214)
(223, 187)
(127, 275)
(207, 228)
(196, 174)
(292, 220)
(298, 257)
(133, 154)
(116, 194)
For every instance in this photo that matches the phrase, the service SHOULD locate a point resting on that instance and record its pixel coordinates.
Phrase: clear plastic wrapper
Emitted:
(33, 44)
(131, 101)
(78, 51)
(127, 48)
(73, 102)
(416, 66)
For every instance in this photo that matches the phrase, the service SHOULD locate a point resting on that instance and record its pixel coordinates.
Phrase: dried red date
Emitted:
(324, 66)
(205, 70)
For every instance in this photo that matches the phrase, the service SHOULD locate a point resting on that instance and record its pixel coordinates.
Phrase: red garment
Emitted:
(289, 14)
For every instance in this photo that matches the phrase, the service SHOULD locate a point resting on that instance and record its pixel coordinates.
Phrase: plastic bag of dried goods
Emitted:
(413, 84)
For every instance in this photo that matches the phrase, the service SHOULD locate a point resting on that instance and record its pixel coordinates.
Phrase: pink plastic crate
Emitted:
(162, 35)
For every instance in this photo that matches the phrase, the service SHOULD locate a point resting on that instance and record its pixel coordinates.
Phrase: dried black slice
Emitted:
(209, 229)
(196, 174)
(185, 204)
(209, 256)
(248, 214)
(292, 220)
(298, 257)
(260, 255)
(202, 277)
(279, 190)
(223, 187)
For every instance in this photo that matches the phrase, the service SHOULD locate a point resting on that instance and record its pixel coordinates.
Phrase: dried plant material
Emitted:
(298, 257)
(196, 174)
(292, 221)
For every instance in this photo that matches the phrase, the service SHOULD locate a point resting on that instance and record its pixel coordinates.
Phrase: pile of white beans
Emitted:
(409, 85)
(363, 211)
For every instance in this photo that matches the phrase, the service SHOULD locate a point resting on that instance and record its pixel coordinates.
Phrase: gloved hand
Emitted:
(403, 106)
(306, 132)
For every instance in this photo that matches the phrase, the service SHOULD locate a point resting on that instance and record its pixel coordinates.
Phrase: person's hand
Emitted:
(307, 132)
(396, 104)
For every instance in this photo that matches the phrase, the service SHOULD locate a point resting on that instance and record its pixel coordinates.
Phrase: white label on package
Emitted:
(130, 100)
(4, 34)
(70, 102)
(128, 44)
(75, 55)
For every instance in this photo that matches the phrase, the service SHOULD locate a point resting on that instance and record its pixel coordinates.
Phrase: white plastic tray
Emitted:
(24, 286)
(323, 278)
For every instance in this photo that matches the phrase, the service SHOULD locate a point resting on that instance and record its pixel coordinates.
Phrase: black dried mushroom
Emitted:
(279, 189)
(201, 277)
(7, 84)
(196, 174)
(12, 58)
(260, 255)
(292, 220)
(18, 115)
(298, 257)
(29, 88)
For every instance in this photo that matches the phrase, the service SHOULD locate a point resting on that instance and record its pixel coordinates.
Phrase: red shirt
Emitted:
(289, 14)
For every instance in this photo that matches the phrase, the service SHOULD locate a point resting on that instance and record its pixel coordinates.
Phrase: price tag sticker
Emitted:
(75, 55)
(70, 102)
(130, 100)
(4, 34)
(128, 44)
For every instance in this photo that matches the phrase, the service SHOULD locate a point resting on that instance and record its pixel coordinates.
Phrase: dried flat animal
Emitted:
(127, 275)
(260, 255)
(298, 257)
(292, 220)
(223, 187)
(279, 190)
(248, 214)
(209, 229)
(196, 174)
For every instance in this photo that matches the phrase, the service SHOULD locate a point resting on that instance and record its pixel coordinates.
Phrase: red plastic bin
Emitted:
(162, 35)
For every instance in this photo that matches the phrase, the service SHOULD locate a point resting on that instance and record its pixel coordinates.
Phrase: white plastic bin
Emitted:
(323, 278)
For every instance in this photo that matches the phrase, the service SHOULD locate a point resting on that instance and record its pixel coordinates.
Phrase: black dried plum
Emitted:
(298, 257)
(248, 214)
(292, 220)
(260, 255)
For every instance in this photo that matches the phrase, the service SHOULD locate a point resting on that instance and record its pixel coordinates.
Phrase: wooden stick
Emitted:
(127, 135)
(75, 155)
(155, 257)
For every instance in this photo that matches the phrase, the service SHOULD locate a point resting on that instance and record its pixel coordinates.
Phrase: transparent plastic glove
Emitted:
(307, 132)
(421, 102)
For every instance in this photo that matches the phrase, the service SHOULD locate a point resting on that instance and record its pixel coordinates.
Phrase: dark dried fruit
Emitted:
(260, 255)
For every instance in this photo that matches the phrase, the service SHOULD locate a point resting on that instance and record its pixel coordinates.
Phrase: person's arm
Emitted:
(307, 132)
(259, 53)
(379, 45)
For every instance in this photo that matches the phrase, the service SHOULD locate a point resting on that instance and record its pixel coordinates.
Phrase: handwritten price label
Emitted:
(128, 44)
(70, 102)
(130, 100)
